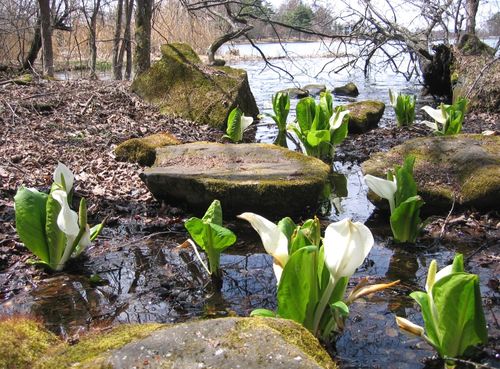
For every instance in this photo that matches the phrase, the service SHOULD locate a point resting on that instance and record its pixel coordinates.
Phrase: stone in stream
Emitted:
(349, 89)
(364, 115)
(261, 178)
(463, 170)
(182, 86)
(295, 93)
(314, 89)
(250, 343)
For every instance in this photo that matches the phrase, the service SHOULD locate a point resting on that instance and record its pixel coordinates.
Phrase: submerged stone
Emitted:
(349, 89)
(463, 170)
(182, 86)
(142, 150)
(261, 178)
(251, 343)
(364, 115)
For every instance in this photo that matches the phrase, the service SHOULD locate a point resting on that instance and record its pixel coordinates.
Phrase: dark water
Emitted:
(150, 279)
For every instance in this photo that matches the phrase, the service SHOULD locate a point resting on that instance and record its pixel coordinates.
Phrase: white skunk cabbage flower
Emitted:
(382, 187)
(63, 177)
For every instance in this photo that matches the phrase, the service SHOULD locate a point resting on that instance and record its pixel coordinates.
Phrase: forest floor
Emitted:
(80, 122)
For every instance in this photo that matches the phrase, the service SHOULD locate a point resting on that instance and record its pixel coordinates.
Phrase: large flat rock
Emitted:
(227, 343)
(463, 170)
(261, 178)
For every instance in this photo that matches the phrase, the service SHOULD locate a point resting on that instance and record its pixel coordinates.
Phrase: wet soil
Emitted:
(137, 272)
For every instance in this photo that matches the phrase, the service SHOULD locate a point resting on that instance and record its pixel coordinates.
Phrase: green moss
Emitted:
(24, 79)
(293, 334)
(143, 150)
(86, 354)
(183, 87)
(23, 342)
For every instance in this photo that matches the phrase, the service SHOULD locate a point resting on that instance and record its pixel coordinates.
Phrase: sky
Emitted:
(486, 7)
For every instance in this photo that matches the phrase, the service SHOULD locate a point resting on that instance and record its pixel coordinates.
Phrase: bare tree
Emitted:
(117, 64)
(46, 35)
(143, 17)
(90, 13)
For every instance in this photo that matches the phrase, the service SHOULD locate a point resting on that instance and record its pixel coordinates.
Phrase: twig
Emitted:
(86, 105)
(38, 95)
(463, 361)
(446, 219)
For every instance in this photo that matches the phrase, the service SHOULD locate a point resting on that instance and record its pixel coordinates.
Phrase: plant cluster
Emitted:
(452, 311)
(400, 190)
(281, 108)
(313, 272)
(320, 127)
(48, 226)
(404, 107)
(237, 122)
(450, 117)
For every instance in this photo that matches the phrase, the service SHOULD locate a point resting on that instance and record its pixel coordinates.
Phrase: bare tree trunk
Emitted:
(36, 45)
(46, 35)
(117, 63)
(471, 11)
(127, 36)
(92, 24)
(143, 16)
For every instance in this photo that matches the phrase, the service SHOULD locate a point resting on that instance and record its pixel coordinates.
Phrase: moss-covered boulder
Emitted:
(23, 342)
(364, 115)
(461, 169)
(262, 178)
(314, 89)
(251, 343)
(295, 93)
(182, 86)
(143, 150)
(349, 89)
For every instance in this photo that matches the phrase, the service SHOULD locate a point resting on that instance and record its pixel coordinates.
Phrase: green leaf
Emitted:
(305, 111)
(198, 230)
(281, 107)
(312, 230)
(213, 213)
(56, 239)
(30, 221)
(338, 135)
(263, 313)
(234, 131)
(431, 326)
(210, 237)
(405, 220)
(298, 288)
(287, 226)
(458, 264)
(96, 230)
(299, 240)
(406, 186)
(341, 308)
(221, 238)
(461, 318)
(315, 138)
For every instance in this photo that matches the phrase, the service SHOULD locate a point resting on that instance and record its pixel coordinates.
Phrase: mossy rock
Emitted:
(364, 115)
(463, 170)
(472, 45)
(349, 89)
(295, 93)
(23, 342)
(224, 343)
(262, 178)
(143, 150)
(26, 344)
(24, 79)
(314, 89)
(184, 87)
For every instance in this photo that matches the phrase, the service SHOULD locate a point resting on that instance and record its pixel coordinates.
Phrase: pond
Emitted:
(148, 277)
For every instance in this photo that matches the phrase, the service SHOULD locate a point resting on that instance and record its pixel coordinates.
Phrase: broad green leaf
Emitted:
(326, 104)
(221, 237)
(198, 230)
(305, 111)
(213, 213)
(236, 124)
(458, 264)
(339, 290)
(405, 220)
(298, 288)
(431, 325)
(281, 107)
(406, 186)
(30, 221)
(460, 314)
(341, 307)
(299, 240)
(263, 313)
(315, 138)
(56, 239)
(312, 230)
